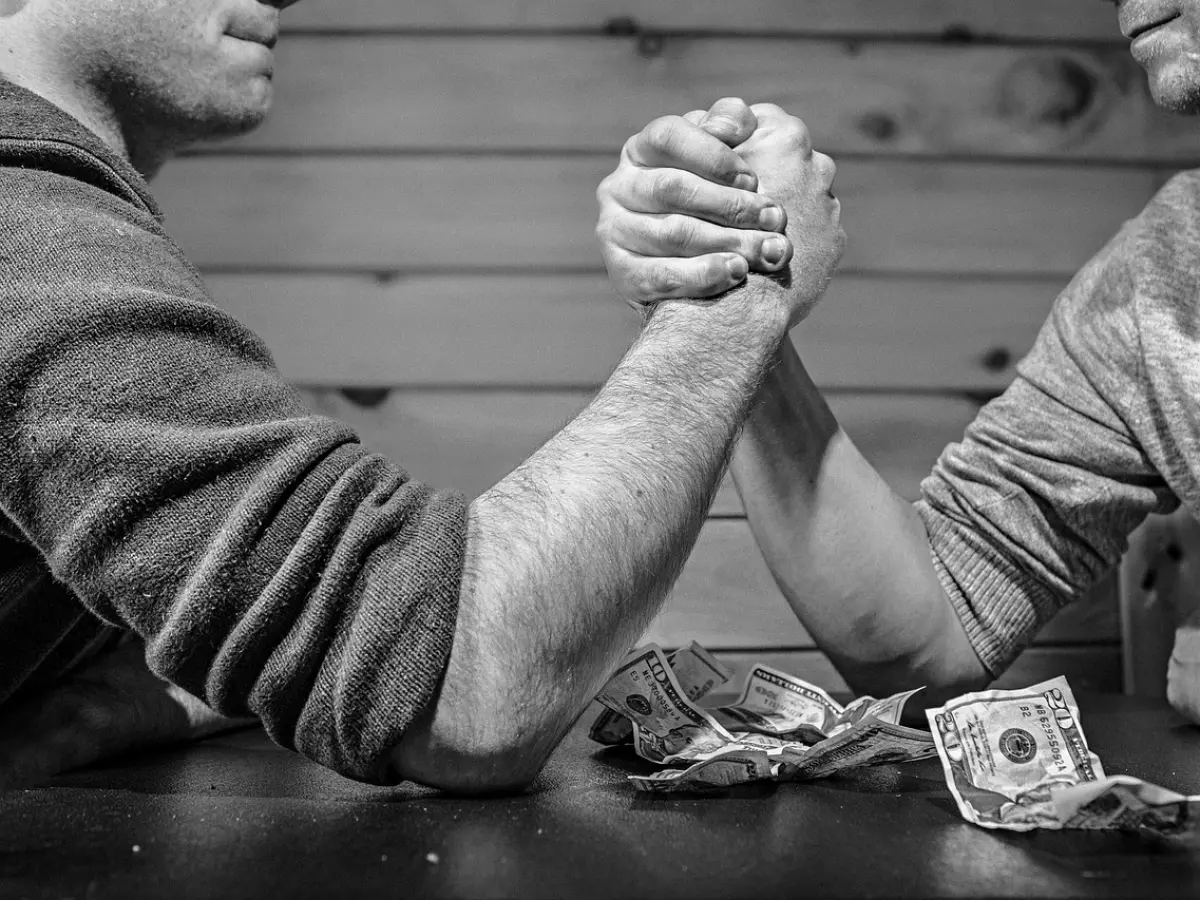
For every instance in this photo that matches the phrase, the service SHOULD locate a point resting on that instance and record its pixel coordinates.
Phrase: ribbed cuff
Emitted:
(1001, 606)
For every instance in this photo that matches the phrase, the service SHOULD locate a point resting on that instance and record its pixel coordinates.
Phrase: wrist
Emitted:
(751, 313)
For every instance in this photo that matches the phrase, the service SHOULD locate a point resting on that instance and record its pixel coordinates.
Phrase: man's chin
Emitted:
(235, 120)
(1175, 86)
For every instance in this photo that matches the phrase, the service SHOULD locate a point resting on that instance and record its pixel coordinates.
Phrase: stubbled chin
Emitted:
(1175, 84)
(237, 119)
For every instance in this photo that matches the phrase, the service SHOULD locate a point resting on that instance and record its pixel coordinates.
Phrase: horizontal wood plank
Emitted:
(727, 598)
(1086, 668)
(469, 440)
(564, 330)
(1037, 19)
(591, 93)
(431, 212)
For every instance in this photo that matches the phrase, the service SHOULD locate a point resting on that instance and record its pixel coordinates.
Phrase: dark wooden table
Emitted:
(236, 817)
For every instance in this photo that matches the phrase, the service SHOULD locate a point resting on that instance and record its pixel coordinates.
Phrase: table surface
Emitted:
(237, 817)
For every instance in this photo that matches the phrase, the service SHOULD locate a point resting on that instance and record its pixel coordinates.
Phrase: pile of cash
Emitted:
(781, 727)
(1014, 760)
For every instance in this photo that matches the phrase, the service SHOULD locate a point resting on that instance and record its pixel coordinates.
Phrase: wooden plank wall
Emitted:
(412, 230)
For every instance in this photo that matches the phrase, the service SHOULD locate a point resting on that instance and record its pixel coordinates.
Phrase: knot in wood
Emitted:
(958, 34)
(879, 127)
(997, 359)
(651, 44)
(366, 397)
(1041, 91)
(622, 26)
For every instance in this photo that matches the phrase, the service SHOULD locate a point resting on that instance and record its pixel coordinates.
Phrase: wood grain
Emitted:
(1022, 19)
(570, 330)
(469, 440)
(727, 598)
(428, 212)
(566, 92)
(1095, 668)
(418, 215)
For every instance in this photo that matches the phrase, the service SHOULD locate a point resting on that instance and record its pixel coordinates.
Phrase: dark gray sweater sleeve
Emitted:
(1099, 429)
(172, 479)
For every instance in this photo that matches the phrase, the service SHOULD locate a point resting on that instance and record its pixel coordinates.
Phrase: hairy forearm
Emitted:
(851, 557)
(570, 556)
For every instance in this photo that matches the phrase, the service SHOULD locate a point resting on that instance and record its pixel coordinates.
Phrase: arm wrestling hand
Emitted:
(680, 217)
(114, 705)
(801, 181)
(642, 238)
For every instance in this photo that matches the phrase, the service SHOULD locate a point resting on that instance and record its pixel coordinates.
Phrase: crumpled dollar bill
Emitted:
(1013, 760)
(780, 728)
(697, 672)
(1018, 760)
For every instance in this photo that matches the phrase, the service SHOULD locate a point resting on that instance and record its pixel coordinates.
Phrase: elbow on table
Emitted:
(487, 760)
(943, 666)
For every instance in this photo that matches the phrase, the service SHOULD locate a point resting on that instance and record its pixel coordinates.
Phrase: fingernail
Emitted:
(773, 250)
(745, 182)
(738, 267)
(770, 219)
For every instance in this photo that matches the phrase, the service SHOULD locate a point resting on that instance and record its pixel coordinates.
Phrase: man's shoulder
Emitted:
(58, 226)
(47, 193)
(1164, 246)
(1177, 202)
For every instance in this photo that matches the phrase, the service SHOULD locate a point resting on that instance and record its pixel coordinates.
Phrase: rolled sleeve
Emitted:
(1035, 505)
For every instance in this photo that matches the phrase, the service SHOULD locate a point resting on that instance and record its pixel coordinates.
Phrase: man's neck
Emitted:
(146, 154)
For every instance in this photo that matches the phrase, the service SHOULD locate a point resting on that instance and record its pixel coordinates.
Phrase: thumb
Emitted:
(730, 120)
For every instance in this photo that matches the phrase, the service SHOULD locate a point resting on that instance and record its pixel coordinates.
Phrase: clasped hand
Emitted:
(699, 201)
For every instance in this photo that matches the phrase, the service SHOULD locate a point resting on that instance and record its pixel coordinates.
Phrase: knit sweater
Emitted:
(1100, 428)
(158, 475)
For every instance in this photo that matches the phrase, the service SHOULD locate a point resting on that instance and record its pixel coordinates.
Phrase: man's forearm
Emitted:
(571, 555)
(851, 557)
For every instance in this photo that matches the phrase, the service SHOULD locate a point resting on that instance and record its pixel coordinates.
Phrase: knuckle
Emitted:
(661, 281)
(715, 274)
(679, 233)
(745, 213)
(630, 148)
(668, 191)
(662, 133)
(604, 188)
(726, 167)
(798, 134)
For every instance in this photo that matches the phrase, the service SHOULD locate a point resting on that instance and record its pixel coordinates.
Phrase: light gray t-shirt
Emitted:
(1100, 428)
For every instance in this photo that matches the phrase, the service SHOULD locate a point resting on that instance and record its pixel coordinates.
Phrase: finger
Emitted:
(671, 235)
(650, 280)
(769, 113)
(695, 116)
(774, 121)
(676, 191)
(730, 120)
(826, 170)
(672, 142)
